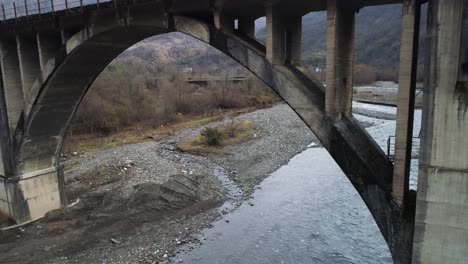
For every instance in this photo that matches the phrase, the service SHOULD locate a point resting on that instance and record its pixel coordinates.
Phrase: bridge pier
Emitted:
(12, 87)
(441, 225)
(406, 98)
(340, 58)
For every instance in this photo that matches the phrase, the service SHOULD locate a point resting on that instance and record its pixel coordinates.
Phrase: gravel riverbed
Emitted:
(140, 203)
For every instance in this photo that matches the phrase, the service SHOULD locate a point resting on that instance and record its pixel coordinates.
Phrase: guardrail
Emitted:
(391, 146)
(26, 9)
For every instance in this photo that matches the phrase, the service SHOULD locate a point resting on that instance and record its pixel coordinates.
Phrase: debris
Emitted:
(74, 153)
(115, 241)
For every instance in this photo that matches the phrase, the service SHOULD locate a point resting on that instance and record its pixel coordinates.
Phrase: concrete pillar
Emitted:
(441, 224)
(28, 56)
(223, 21)
(247, 26)
(406, 96)
(284, 36)
(5, 153)
(66, 35)
(294, 40)
(48, 45)
(340, 57)
(11, 83)
(276, 35)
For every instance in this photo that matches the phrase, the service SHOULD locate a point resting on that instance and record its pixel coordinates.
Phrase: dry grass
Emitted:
(232, 133)
(142, 131)
(137, 133)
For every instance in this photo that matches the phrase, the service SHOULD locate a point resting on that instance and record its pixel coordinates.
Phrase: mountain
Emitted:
(377, 42)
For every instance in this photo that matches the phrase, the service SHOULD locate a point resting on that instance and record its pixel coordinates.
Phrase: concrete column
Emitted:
(340, 57)
(294, 40)
(247, 26)
(48, 45)
(223, 21)
(28, 56)
(441, 224)
(284, 36)
(276, 35)
(5, 153)
(11, 83)
(66, 35)
(406, 97)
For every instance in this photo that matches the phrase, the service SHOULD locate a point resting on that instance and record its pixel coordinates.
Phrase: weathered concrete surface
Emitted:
(284, 36)
(28, 57)
(406, 99)
(5, 153)
(33, 194)
(441, 228)
(12, 87)
(48, 45)
(340, 58)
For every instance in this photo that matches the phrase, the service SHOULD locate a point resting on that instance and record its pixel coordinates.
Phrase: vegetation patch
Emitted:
(211, 140)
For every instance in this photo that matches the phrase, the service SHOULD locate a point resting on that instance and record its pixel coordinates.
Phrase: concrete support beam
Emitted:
(284, 36)
(247, 26)
(12, 86)
(406, 95)
(48, 45)
(28, 56)
(441, 224)
(340, 58)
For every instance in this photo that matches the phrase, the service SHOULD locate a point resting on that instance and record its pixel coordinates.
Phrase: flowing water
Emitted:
(305, 212)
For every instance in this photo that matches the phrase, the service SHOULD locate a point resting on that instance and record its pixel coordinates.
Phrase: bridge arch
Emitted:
(83, 56)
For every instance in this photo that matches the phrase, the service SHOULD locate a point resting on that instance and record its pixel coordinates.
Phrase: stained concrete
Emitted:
(12, 85)
(406, 97)
(441, 226)
(340, 57)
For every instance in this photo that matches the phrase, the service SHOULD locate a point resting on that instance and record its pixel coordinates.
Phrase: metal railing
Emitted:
(26, 9)
(391, 147)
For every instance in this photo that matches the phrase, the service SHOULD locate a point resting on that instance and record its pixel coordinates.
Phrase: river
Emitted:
(305, 212)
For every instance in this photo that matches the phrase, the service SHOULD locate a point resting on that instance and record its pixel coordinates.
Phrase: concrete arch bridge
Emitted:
(49, 56)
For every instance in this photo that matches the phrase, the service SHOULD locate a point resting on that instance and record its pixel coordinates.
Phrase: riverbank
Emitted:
(139, 203)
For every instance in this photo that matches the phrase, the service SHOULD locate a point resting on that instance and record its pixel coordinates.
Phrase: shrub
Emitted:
(211, 136)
